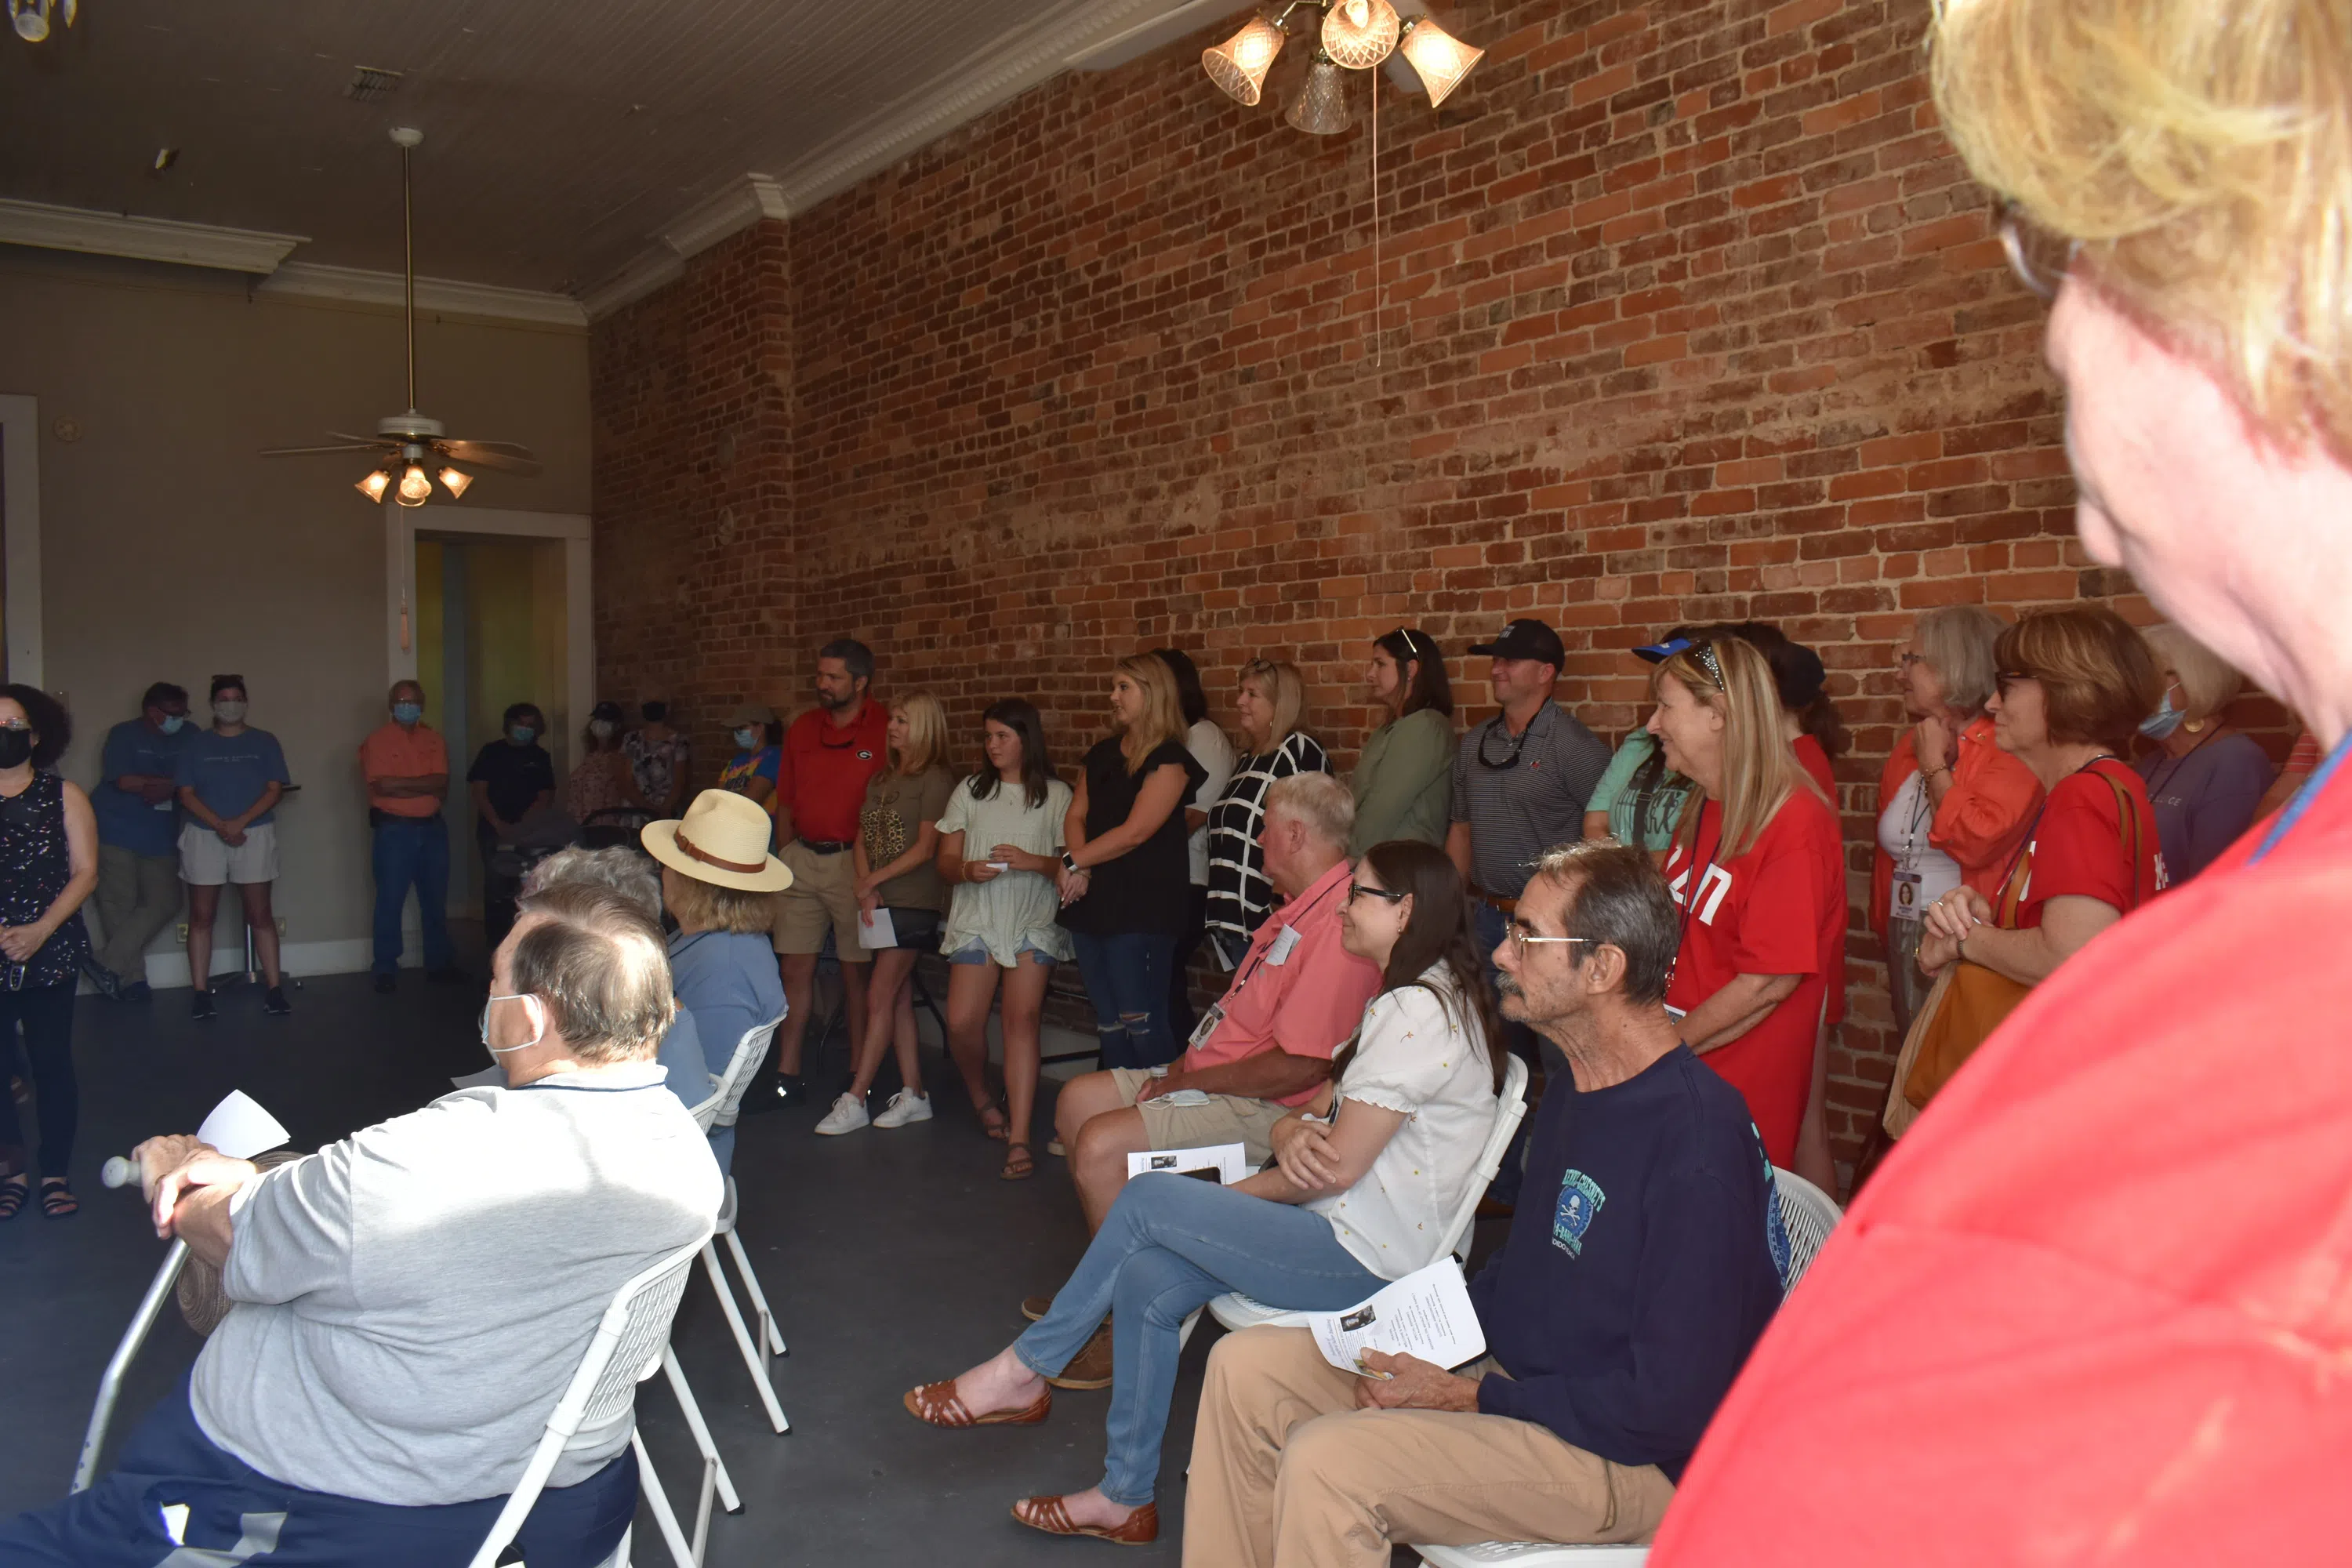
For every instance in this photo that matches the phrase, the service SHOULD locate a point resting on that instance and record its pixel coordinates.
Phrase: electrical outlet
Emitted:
(180, 932)
(281, 925)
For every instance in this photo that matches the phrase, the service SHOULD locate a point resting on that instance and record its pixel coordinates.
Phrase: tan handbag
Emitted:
(1970, 1001)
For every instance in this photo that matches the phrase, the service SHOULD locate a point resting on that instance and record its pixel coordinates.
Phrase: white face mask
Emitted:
(537, 1024)
(600, 727)
(230, 711)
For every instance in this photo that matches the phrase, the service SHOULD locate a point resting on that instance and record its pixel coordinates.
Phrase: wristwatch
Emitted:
(1069, 862)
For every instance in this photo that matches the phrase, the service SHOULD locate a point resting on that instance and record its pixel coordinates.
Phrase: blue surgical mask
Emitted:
(407, 712)
(747, 739)
(173, 723)
(2163, 720)
(523, 734)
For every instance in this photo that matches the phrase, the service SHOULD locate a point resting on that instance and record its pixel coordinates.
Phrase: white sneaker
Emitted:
(847, 1115)
(905, 1106)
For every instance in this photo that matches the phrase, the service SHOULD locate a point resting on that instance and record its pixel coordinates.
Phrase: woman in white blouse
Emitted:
(1351, 1203)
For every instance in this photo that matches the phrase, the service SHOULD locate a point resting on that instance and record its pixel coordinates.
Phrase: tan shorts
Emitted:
(823, 897)
(206, 860)
(1224, 1119)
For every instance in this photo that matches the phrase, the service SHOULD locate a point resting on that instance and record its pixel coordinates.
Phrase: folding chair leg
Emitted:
(751, 1358)
(680, 1553)
(110, 1387)
(774, 1341)
(714, 1465)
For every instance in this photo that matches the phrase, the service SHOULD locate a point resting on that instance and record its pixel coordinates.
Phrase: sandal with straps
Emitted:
(996, 1128)
(936, 1403)
(1019, 1164)
(14, 1191)
(1140, 1528)
(57, 1200)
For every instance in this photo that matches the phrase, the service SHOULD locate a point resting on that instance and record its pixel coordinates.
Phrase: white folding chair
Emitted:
(1235, 1310)
(630, 1344)
(110, 1383)
(719, 1111)
(1808, 1214)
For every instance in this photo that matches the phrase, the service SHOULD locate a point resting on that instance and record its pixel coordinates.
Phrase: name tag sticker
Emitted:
(1905, 900)
(1283, 941)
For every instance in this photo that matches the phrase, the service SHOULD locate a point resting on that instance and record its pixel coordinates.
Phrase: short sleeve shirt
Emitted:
(741, 768)
(1012, 910)
(394, 752)
(826, 771)
(1308, 1002)
(516, 777)
(1148, 889)
(1643, 805)
(897, 806)
(125, 820)
(1768, 911)
(1528, 804)
(228, 773)
(2076, 849)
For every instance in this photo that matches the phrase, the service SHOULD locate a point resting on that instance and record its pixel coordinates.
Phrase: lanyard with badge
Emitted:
(1276, 953)
(1903, 903)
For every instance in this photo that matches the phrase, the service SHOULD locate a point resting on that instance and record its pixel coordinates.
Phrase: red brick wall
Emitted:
(1680, 313)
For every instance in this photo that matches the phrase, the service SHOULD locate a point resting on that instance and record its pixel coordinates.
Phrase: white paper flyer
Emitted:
(1426, 1314)
(1230, 1161)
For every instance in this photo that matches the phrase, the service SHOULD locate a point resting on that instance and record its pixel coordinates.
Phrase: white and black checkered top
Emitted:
(1239, 894)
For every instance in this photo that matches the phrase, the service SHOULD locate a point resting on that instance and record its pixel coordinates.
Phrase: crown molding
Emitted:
(732, 210)
(446, 296)
(143, 239)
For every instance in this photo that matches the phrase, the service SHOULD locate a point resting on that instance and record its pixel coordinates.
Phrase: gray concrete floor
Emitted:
(891, 1258)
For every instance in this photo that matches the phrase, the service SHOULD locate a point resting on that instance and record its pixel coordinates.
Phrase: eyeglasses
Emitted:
(1362, 890)
(1906, 659)
(1524, 939)
(2039, 258)
(2005, 679)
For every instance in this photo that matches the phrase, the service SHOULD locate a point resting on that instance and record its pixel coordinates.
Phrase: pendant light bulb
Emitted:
(1437, 57)
(416, 487)
(1360, 34)
(1321, 109)
(32, 19)
(374, 485)
(1239, 63)
(457, 482)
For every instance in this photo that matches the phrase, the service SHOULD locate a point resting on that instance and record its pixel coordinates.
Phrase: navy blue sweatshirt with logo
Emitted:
(1645, 1258)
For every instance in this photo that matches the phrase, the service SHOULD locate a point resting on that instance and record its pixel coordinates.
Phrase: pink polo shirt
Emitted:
(1307, 1005)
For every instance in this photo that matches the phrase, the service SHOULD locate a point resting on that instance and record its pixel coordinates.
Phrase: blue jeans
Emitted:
(414, 850)
(1127, 979)
(1172, 1244)
(118, 1522)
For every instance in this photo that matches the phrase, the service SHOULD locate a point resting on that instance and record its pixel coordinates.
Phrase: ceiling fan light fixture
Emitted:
(1239, 63)
(374, 485)
(1320, 108)
(1437, 57)
(416, 487)
(457, 482)
(1360, 34)
(31, 17)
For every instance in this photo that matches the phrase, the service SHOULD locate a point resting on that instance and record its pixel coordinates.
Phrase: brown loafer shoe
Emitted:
(1090, 1368)
(1046, 1513)
(1035, 1307)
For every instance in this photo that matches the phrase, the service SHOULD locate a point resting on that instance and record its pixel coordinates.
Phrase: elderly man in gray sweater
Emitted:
(409, 1303)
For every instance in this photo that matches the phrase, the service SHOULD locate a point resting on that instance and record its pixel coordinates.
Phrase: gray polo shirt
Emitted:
(1516, 812)
(408, 1304)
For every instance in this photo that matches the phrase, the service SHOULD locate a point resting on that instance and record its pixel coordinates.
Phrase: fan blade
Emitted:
(321, 452)
(503, 456)
(362, 440)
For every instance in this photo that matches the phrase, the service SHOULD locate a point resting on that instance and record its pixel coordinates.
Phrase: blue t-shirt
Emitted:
(683, 1065)
(1646, 1256)
(728, 981)
(228, 773)
(125, 820)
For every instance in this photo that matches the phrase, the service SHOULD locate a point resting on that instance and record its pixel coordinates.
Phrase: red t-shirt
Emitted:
(1768, 912)
(825, 769)
(2077, 846)
(1816, 762)
(2093, 1307)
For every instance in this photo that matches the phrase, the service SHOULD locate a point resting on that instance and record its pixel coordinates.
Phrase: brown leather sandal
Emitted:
(937, 1403)
(1019, 1164)
(1140, 1528)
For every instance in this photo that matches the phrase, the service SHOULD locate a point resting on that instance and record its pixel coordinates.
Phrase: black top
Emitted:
(1149, 887)
(516, 775)
(35, 864)
(1646, 1256)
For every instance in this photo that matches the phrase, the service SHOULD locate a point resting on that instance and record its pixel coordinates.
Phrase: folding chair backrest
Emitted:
(625, 1350)
(1508, 1109)
(729, 1092)
(1809, 1214)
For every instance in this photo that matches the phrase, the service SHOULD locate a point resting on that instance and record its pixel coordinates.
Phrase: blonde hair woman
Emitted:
(1125, 872)
(2205, 779)
(1270, 700)
(900, 902)
(1763, 923)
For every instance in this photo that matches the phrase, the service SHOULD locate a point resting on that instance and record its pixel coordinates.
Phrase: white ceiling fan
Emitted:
(406, 442)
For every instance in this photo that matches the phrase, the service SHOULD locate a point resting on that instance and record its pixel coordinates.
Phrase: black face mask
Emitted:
(16, 748)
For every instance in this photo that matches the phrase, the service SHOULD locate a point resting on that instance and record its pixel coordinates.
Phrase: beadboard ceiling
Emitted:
(563, 137)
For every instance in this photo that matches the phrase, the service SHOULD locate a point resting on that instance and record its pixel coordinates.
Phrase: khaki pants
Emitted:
(138, 895)
(1225, 1119)
(1287, 1469)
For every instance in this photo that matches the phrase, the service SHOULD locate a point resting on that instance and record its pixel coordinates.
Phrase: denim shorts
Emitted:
(976, 951)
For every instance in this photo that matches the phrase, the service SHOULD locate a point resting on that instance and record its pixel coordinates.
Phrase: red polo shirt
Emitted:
(826, 767)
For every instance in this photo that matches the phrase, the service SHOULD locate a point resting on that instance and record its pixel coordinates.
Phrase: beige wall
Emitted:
(170, 550)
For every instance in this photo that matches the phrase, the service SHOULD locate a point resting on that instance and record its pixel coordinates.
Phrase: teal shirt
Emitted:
(1403, 781)
(1643, 817)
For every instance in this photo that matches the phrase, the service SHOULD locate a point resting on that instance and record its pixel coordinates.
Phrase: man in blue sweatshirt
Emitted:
(1646, 1256)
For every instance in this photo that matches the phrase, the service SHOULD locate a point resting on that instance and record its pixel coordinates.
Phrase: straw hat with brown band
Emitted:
(722, 839)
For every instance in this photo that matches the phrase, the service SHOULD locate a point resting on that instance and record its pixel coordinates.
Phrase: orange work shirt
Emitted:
(393, 752)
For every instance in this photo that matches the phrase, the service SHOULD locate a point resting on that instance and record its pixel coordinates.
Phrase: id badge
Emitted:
(1283, 941)
(1905, 897)
(1207, 1026)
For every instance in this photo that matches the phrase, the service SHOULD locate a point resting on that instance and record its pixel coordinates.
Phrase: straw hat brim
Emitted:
(660, 839)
